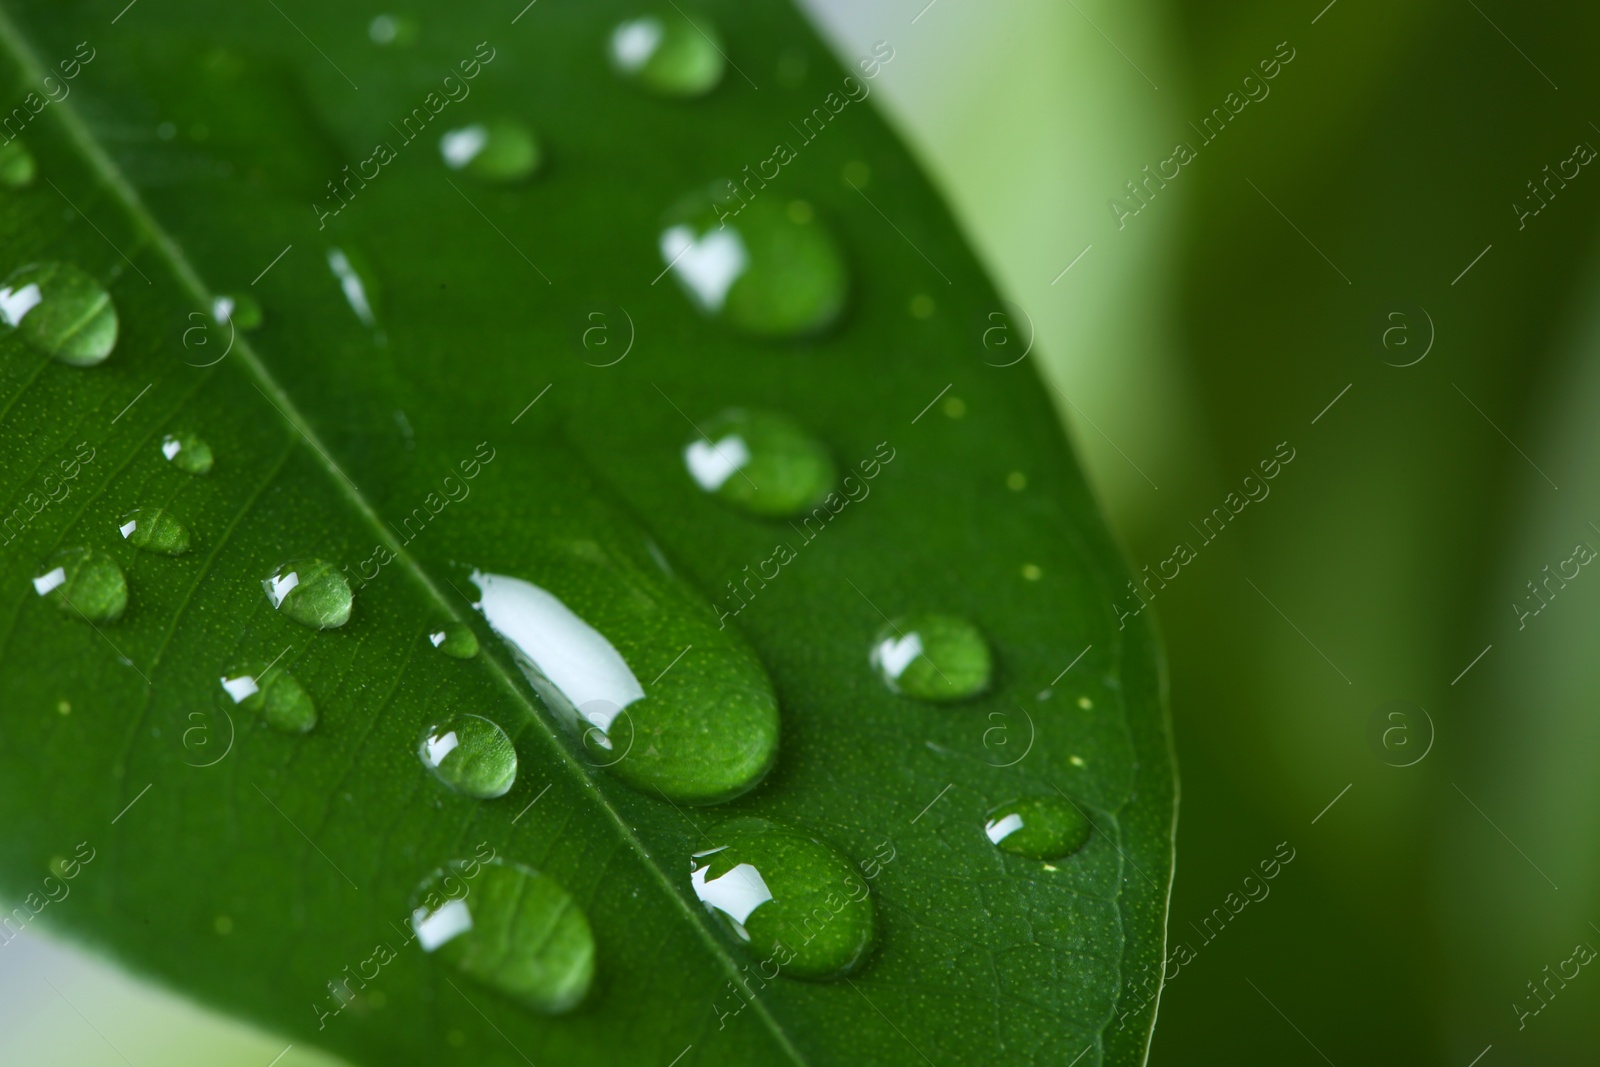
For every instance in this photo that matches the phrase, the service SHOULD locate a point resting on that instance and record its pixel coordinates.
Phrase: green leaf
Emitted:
(439, 323)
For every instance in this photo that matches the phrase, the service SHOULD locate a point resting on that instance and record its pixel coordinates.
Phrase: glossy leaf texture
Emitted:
(451, 376)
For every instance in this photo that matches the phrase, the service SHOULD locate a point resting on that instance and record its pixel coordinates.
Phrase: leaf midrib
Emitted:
(189, 280)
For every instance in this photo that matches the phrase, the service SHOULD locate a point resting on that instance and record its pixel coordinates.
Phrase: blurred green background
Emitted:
(1207, 333)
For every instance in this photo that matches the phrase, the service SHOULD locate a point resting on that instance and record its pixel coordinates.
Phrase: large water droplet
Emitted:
(760, 462)
(932, 657)
(241, 309)
(454, 639)
(667, 55)
(708, 729)
(515, 930)
(271, 692)
(154, 530)
(61, 311)
(793, 898)
(17, 168)
(758, 267)
(1040, 827)
(499, 151)
(83, 581)
(471, 755)
(311, 592)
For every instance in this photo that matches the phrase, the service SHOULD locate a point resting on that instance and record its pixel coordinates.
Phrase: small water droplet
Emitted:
(1041, 828)
(60, 311)
(84, 581)
(454, 639)
(311, 592)
(17, 168)
(471, 755)
(271, 692)
(500, 151)
(761, 463)
(792, 898)
(241, 309)
(390, 29)
(708, 729)
(666, 55)
(187, 452)
(1016, 481)
(509, 927)
(754, 267)
(932, 657)
(154, 530)
(1031, 572)
(922, 306)
(954, 407)
(355, 284)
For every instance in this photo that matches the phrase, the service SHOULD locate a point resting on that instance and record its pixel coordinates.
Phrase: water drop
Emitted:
(241, 309)
(392, 30)
(755, 267)
(499, 151)
(354, 284)
(471, 755)
(17, 168)
(60, 311)
(187, 452)
(1041, 827)
(794, 899)
(310, 592)
(271, 692)
(509, 927)
(154, 530)
(761, 463)
(932, 657)
(83, 581)
(667, 56)
(708, 729)
(454, 639)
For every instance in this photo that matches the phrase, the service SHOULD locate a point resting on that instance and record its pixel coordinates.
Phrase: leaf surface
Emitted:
(251, 869)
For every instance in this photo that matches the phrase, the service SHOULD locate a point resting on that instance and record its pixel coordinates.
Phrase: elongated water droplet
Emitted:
(500, 151)
(241, 309)
(454, 639)
(932, 657)
(509, 927)
(1041, 827)
(271, 692)
(310, 592)
(356, 285)
(631, 661)
(84, 581)
(187, 452)
(60, 311)
(760, 462)
(667, 54)
(154, 530)
(759, 267)
(17, 167)
(471, 755)
(793, 898)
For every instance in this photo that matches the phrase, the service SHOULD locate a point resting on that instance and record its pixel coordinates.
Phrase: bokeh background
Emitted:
(1362, 234)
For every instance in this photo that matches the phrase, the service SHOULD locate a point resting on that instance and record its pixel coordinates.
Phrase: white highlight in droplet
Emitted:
(437, 638)
(451, 920)
(241, 687)
(441, 746)
(735, 893)
(280, 586)
(14, 304)
(712, 464)
(127, 528)
(635, 41)
(555, 648)
(46, 582)
(707, 267)
(460, 147)
(171, 447)
(350, 283)
(894, 654)
(1000, 829)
